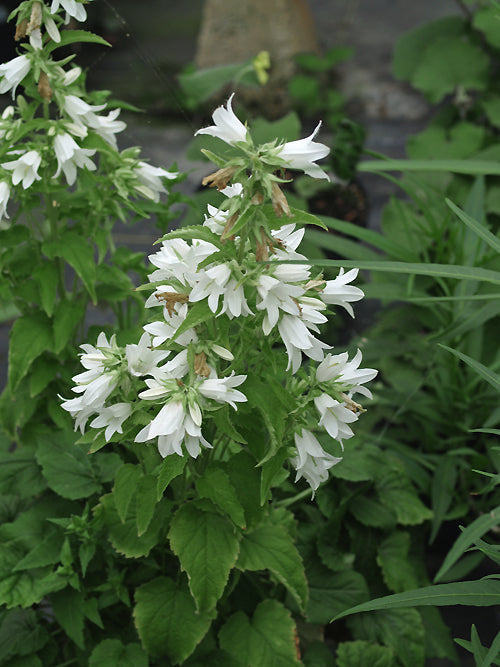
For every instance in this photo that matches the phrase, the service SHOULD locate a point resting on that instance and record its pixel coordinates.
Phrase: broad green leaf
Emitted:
(331, 592)
(318, 654)
(68, 608)
(66, 467)
(480, 368)
(46, 276)
(486, 20)
(111, 653)
(410, 46)
(145, 502)
(207, 546)
(29, 337)
(45, 552)
(42, 372)
(438, 641)
(171, 467)
(371, 512)
(270, 547)
(79, 254)
(123, 535)
(395, 491)
(20, 633)
(469, 535)
(198, 313)
(167, 620)
(364, 654)
(478, 593)
(392, 557)
(20, 473)
(216, 485)
(67, 316)
(448, 63)
(24, 589)
(245, 477)
(267, 640)
(402, 630)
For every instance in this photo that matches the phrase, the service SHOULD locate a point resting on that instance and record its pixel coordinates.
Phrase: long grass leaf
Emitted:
(473, 167)
(476, 529)
(479, 229)
(478, 593)
(480, 368)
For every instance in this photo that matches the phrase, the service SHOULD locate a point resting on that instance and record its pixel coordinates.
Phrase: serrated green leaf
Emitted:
(66, 467)
(68, 608)
(171, 467)
(216, 485)
(270, 547)
(111, 653)
(124, 488)
(392, 558)
(395, 491)
(450, 62)
(486, 19)
(167, 620)
(20, 634)
(20, 473)
(46, 552)
(267, 640)
(401, 630)
(364, 654)
(67, 316)
(123, 535)
(78, 253)
(330, 592)
(207, 546)
(371, 512)
(46, 276)
(145, 502)
(42, 372)
(410, 46)
(29, 337)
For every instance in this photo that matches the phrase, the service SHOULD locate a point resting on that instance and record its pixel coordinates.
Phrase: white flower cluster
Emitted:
(77, 118)
(109, 388)
(285, 301)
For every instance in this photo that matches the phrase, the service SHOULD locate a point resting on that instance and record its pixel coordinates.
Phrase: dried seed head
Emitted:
(21, 29)
(35, 18)
(279, 201)
(171, 298)
(44, 87)
(220, 178)
(200, 365)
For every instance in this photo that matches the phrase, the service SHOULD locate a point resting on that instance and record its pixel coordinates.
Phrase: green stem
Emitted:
(294, 499)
